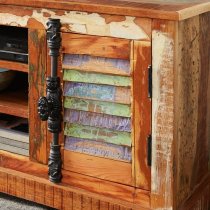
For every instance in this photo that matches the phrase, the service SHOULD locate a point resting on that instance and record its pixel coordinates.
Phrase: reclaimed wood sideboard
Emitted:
(135, 81)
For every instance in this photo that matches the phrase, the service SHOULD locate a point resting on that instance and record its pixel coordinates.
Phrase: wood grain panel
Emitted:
(193, 80)
(95, 46)
(98, 167)
(98, 92)
(98, 134)
(99, 149)
(96, 64)
(37, 71)
(109, 108)
(94, 78)
(163, 51)
(98, 120)
(142, 112)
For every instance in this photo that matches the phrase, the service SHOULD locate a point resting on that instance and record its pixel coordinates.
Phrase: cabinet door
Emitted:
(102, 86)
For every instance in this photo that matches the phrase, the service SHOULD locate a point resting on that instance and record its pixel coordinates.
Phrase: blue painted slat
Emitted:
(100, 149)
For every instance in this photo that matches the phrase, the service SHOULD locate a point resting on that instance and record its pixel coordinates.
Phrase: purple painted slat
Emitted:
(99, 149)
(98, 120)
(97, 64)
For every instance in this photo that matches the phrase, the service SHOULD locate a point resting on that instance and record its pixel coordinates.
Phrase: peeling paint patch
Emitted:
(82, 22)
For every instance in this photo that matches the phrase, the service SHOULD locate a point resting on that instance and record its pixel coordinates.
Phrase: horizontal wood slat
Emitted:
(99, 149)
(98, 107)
(95, 46)
(98, 167)
(98, 92)
(96, 64)
(86, 77)
(97, 120)
(98, 134)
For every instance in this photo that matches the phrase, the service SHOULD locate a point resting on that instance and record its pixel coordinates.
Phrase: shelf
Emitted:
(14, 103)
(13, 65)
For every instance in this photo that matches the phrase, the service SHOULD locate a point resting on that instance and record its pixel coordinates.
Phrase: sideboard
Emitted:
(110, 105)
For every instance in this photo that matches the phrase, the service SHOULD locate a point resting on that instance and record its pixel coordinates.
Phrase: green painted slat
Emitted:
(86, 77)
(109, 108)
(98, 134)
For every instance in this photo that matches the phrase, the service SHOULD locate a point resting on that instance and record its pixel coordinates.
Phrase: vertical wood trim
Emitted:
(20, 190)
(37, 71)
(3, 182)
(11, 187)
(142, 112)
(163, 61)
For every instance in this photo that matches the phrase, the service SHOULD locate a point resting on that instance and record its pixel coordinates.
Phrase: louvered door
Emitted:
(98, 98)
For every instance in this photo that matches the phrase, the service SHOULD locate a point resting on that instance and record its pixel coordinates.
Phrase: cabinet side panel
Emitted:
(191, 105)
(163, 61)
(37, 71)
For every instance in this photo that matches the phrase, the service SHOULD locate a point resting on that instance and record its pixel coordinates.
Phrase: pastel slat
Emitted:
(98, 120)
(98, 106)
(96, 64)
(98, 92)
(99, 149)
(98, 134)
(87, 77)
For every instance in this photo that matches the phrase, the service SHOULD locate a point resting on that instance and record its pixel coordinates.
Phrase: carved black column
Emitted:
(49, 107)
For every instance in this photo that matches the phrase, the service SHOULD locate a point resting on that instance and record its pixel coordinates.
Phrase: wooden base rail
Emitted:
(25, 179)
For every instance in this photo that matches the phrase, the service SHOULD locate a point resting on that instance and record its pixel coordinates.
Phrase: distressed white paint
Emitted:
(162, 105)
(82, 22)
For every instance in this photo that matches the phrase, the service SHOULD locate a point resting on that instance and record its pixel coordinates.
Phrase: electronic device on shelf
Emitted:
(14, 44)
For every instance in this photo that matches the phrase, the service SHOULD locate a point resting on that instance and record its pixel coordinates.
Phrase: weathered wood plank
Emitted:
(109, 108)
(20, 189)
(99, 149)
(98, 120)
(29, 189)
(163, 51)
(37, 71)
(39, 193)
(142, 113)
(101, 168)
(58, 193)
(95, 204)
(98, 134)
(14, 143)
(11, 187)
(96, 64)
(49, 195)
(67, 200)
(86, 203)
(79, 76)
(98, 92)
(3, 182)
(77, 201)
(95, 46)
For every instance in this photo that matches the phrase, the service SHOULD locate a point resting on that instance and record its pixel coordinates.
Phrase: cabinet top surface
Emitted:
(160, 9)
